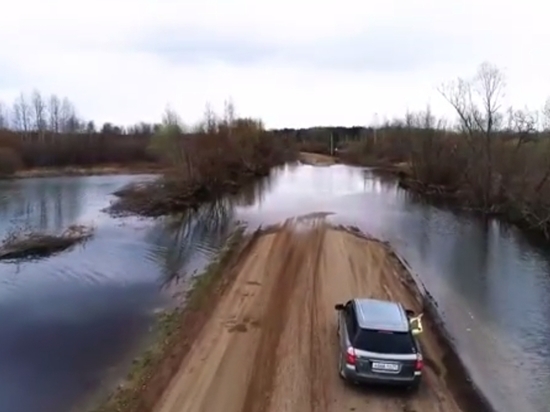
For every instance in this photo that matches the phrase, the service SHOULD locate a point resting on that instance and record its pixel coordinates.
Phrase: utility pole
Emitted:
(331, 144)
(375, 127)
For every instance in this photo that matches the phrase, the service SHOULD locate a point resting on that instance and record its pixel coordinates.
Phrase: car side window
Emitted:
(351, 320)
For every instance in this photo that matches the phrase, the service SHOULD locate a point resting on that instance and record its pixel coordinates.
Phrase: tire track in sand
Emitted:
(282, 266)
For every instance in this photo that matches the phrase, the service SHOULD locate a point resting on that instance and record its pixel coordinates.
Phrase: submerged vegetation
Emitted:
(23, 244)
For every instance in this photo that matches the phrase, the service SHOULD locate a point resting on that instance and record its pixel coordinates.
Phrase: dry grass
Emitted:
(24, 244)
(31, 151)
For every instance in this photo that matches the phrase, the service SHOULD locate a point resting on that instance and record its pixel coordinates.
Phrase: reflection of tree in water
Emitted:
(254, 192)
(41, 204)
(424, 244)
(179, 239)
(176, 239)
(470, 258)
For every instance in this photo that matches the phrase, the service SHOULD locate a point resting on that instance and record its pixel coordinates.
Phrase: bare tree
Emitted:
(21, 114)
(168, 144)
(477, 101)
(54, 110)
(68, 119)
(546, 115)
(74, 125)
(210, 123)
(478, 104)
(523, 123)
(171, 118)
(4, 116)
(90, 127)
(38, 108)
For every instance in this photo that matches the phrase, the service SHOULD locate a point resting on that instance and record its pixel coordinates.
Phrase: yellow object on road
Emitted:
(416, 324)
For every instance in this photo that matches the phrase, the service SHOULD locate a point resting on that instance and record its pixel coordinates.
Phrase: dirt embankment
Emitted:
(270, 343)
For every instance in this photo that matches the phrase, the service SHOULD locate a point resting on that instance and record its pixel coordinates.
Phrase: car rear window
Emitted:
(384, 342)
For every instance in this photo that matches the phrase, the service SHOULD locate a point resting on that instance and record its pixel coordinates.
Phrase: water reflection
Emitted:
(41, 204)
(68, 319)
(177, 239)
(182, 244)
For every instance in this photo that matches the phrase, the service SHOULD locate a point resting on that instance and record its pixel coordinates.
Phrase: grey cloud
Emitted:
(378, 49)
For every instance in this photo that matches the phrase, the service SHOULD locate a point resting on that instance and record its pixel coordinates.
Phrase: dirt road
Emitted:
(316, 159)
(271, 343)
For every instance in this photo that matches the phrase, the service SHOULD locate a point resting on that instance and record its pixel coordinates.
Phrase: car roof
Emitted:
(381, 314)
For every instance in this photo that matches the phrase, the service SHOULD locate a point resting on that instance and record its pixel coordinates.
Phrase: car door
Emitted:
(343, 327)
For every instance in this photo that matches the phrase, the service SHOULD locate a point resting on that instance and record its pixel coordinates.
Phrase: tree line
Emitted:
(491, 158)
(35, 113)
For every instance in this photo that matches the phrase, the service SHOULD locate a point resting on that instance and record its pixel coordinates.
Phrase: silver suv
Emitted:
(378, 344)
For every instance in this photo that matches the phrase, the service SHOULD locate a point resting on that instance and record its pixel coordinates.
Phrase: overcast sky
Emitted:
(292, 63)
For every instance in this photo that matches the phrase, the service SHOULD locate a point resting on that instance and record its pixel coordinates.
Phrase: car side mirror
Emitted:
(339, 307)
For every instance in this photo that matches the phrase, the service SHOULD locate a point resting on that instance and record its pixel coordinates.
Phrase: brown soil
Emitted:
(270, 343)
(317, 159)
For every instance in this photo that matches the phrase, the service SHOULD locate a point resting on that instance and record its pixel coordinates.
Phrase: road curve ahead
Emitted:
(271, 343)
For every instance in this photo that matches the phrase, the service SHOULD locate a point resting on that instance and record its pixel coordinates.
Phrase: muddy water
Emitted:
(69, 320)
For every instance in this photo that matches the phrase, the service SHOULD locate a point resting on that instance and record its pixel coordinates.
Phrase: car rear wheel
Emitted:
(414, 387)
(341, 369)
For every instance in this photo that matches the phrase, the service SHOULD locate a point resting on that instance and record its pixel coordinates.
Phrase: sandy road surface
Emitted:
(316, 159)
(271, 343)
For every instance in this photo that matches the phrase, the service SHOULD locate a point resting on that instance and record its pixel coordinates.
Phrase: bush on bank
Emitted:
(493, 161)
(35, 150)
(217, 157)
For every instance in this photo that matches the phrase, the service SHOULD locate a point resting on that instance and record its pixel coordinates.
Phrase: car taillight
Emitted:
(419, 365)
(350, 356)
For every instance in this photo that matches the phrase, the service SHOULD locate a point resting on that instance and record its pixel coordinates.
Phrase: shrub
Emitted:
(10, 162)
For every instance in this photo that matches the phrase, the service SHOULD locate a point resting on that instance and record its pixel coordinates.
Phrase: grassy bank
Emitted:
(175, 331)
(20, 152)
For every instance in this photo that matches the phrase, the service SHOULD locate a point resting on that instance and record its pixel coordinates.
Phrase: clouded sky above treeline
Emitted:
(292, 63)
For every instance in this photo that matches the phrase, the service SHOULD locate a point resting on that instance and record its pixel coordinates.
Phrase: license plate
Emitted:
(383, 366)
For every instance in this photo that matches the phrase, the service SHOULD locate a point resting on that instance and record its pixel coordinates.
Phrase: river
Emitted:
(71, 323)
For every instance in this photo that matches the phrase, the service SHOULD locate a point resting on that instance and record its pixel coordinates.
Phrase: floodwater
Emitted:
(69, 323)
(69, 320)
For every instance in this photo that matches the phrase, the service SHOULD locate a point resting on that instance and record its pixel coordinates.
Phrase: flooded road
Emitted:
(491, 283)
(69, 320)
